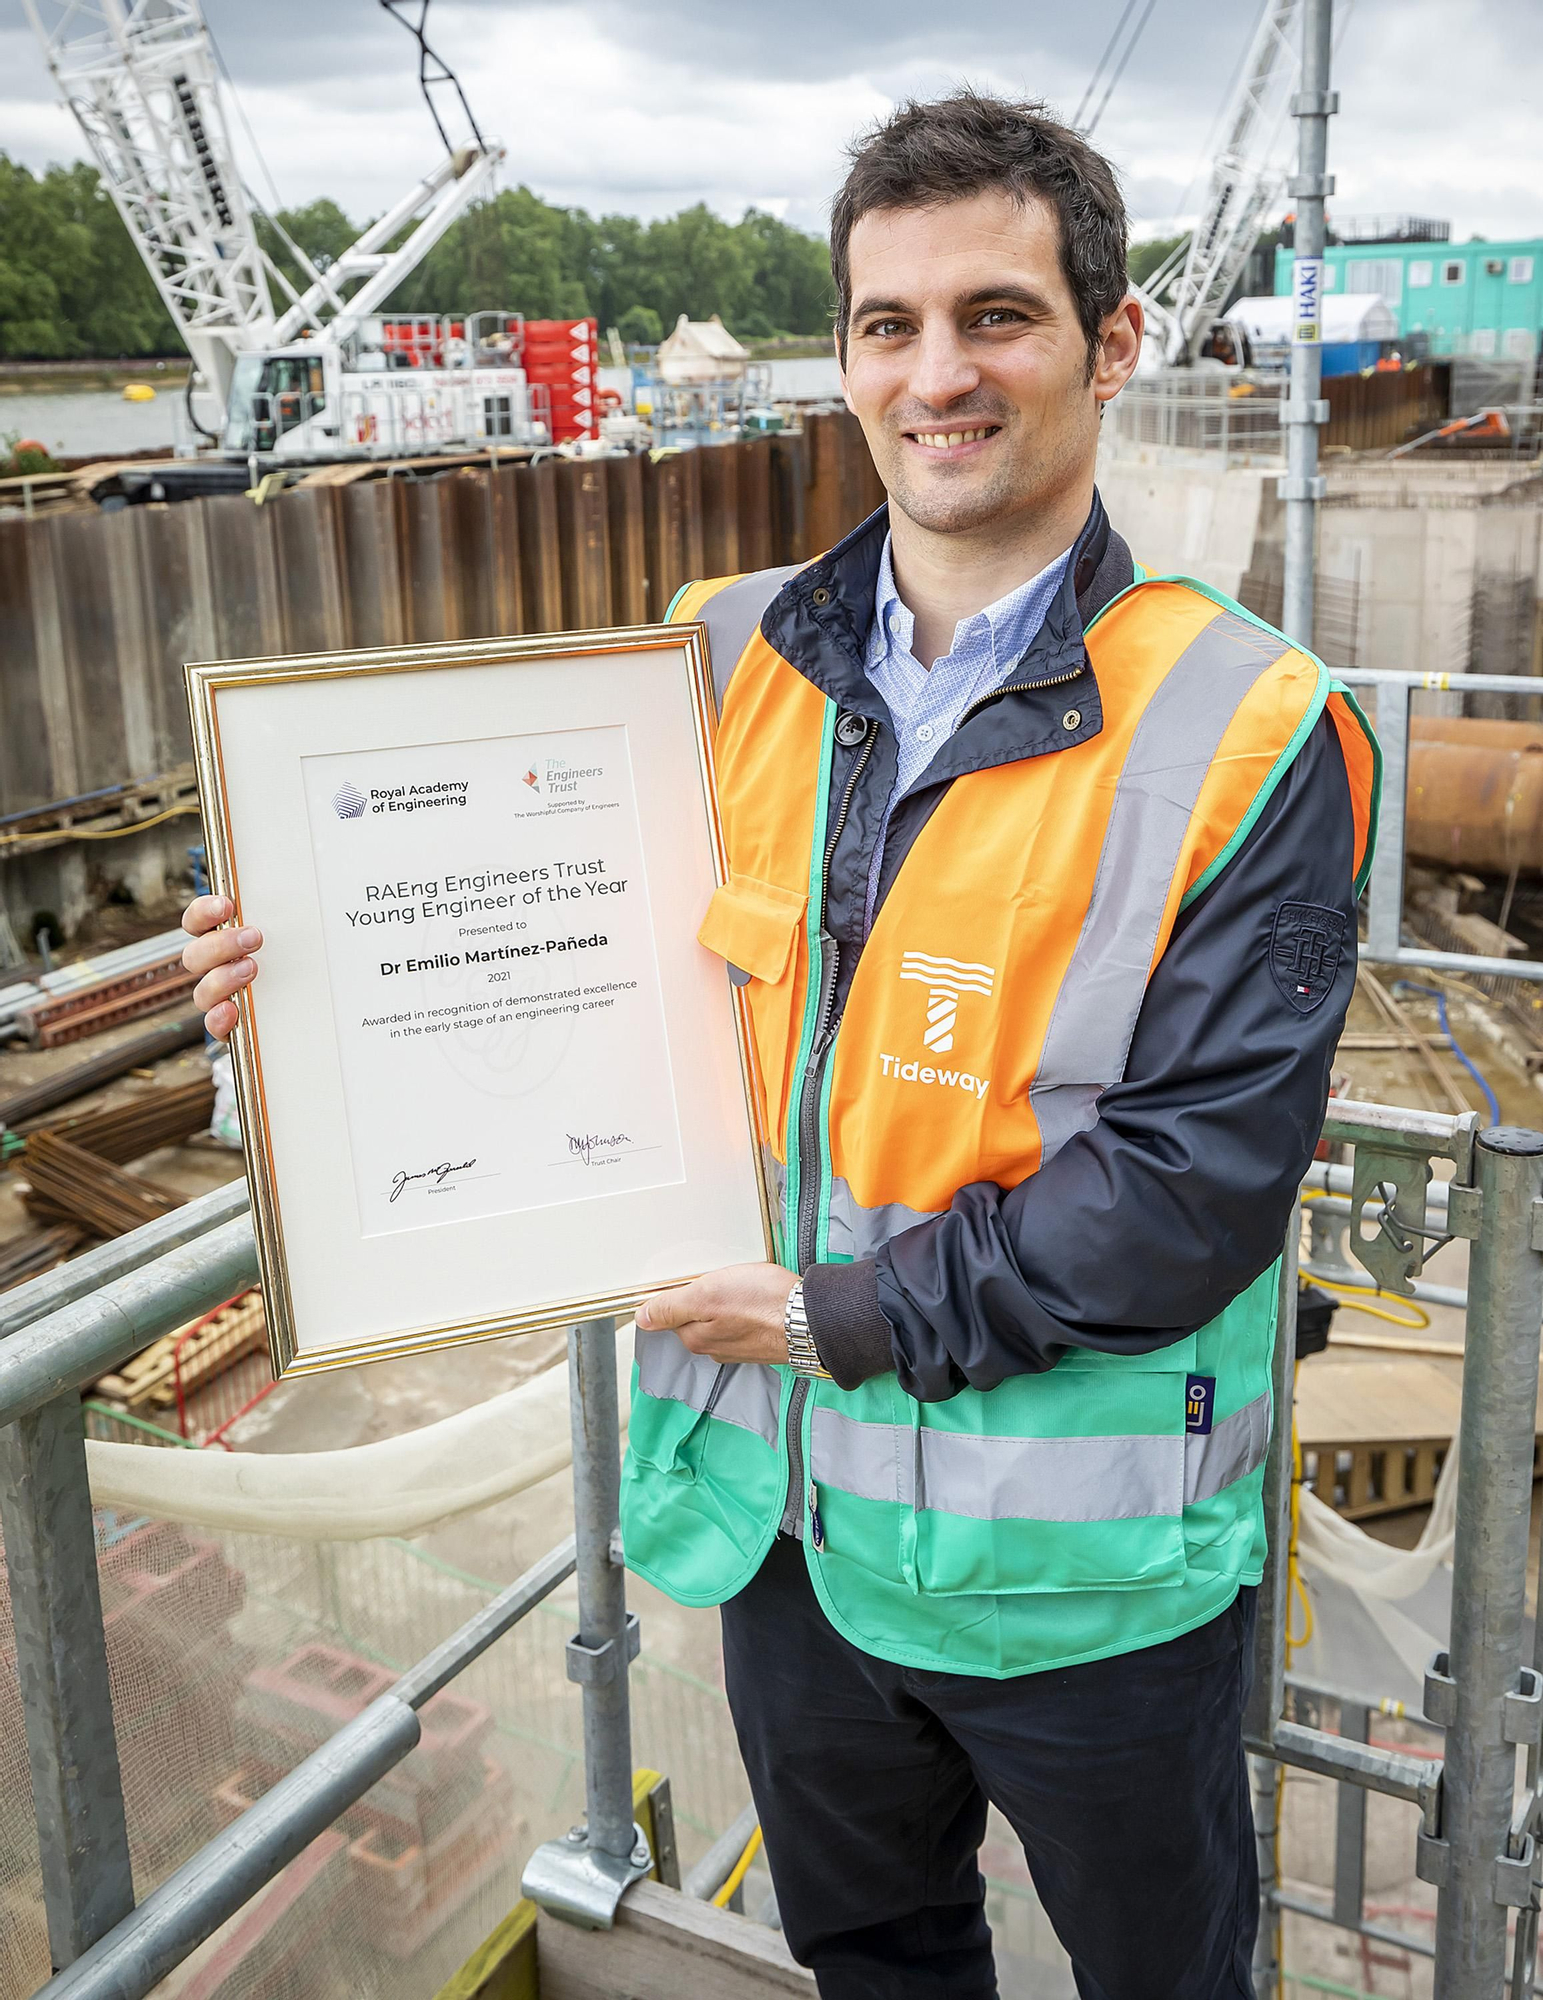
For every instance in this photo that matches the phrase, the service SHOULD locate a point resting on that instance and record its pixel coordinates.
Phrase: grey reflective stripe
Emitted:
(1035, 1479)
(1173, 748)
(1235, 1448)
(742, 1393)
(856, 1231)
(734, 613)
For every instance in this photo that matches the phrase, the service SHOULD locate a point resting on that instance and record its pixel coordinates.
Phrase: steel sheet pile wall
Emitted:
(98, 611)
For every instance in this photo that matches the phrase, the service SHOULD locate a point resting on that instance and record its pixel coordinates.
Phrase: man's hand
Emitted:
(731, 1315)
(223, 959)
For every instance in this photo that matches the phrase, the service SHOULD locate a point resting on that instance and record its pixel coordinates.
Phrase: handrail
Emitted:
(91, 1336)
(54, 1290)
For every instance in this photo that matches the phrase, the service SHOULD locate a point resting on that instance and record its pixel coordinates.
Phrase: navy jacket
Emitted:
(1146, 1226)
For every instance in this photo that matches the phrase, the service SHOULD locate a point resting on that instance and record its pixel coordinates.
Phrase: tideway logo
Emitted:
(348, 802)
(947, 980)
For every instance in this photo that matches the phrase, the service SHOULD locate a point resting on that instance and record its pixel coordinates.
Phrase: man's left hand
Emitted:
(731, 1315)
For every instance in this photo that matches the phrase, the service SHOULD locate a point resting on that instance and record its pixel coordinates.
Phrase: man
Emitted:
(1042, 896)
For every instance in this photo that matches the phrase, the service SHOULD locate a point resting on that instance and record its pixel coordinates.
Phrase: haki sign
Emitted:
(1307, 300)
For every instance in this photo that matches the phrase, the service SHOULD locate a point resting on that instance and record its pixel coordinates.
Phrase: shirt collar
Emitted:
(1013, 621)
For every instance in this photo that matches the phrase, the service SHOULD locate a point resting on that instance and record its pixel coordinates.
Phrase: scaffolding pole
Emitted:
(1305, 410)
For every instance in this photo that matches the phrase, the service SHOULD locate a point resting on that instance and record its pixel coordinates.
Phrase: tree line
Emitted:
(72, 284)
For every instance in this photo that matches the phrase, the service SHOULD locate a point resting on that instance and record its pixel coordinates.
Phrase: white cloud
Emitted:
(647, 109)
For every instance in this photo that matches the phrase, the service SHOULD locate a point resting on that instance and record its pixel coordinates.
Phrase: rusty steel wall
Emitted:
(98, 612)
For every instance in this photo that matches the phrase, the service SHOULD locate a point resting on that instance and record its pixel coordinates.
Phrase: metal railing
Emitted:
(57, 1334)
(1384, 943)
(1232, 417)
(1477, 1843)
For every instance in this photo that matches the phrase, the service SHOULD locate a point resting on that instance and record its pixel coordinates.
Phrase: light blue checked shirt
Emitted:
(925, 703)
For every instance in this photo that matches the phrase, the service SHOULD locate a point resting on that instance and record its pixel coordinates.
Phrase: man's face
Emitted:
(966, 363)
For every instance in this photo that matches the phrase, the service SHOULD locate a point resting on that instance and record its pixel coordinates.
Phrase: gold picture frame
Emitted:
(250, 743)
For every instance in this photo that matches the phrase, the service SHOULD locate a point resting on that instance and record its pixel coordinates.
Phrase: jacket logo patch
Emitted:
(1199, 1404)
(1304, 952)
(945, 979)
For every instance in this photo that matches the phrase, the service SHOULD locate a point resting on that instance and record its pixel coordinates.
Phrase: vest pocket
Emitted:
(1012, 1492)
(669, 1436)
(1058, 1481)
(755, 927)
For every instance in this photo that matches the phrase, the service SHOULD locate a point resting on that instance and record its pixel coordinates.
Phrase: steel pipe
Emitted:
(602, 1634)
(61, 1670)
(1305, 410)
(1476, 805)
(1489, 1560)
(60, 1354)
(1387, 1771)
(717, 1864)
(437, 1669)
(82, 1276)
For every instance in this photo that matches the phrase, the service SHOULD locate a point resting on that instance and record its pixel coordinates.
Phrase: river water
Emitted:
(80, 422)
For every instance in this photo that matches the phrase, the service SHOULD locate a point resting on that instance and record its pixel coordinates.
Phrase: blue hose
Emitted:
(1453, 1043)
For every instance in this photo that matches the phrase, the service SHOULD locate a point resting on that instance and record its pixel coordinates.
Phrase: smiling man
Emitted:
(1043, 899)
(1042, 896)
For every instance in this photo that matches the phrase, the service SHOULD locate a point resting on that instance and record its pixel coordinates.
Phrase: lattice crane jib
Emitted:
(1246, 177)
(141, 79)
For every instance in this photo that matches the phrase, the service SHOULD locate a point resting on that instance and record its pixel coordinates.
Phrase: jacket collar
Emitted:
(819, 621)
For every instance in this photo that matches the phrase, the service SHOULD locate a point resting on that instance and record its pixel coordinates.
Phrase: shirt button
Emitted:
(1072, 719)
(924, 733)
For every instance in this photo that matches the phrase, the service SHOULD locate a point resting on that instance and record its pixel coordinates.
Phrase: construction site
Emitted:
(291, 1702)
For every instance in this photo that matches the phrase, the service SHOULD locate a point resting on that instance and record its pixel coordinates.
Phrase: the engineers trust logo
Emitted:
(946, 979)
(533, 781)
(348, 802)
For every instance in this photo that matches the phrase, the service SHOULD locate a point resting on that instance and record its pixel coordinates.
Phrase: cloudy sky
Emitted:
(647, 105)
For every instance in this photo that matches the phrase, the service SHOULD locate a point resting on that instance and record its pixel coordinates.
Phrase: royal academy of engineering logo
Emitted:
(348, 802)
(947, 981)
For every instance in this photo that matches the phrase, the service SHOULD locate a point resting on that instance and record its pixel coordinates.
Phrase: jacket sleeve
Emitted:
(1147, 1225)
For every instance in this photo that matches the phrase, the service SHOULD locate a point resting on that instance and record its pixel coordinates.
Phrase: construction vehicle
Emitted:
(328, 375)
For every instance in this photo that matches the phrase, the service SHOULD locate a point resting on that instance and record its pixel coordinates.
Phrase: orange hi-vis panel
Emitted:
(1071, 1513)
(982, 1022)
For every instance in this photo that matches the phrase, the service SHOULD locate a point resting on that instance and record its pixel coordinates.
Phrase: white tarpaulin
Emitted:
(399, 1486)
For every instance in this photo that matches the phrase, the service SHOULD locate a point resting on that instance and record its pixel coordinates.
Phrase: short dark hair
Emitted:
(925, 154)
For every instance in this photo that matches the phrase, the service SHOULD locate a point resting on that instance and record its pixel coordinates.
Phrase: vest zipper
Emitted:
(1016, 687)
(810, 1147)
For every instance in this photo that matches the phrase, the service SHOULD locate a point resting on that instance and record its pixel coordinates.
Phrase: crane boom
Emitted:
(140, 77)
(1246, 177)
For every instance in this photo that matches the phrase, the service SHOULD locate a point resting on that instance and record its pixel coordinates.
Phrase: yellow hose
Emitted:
(103, 833)
(739, 1871)
(1353, 1296)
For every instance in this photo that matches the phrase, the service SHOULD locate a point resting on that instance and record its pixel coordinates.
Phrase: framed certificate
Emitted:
(488, 1079)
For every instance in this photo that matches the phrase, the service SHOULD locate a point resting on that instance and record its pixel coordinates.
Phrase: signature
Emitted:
(585, 1143)
(438, 1175)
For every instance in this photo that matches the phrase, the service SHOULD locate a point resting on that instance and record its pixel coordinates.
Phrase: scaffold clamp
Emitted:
(581, 1884)
(597, 1666)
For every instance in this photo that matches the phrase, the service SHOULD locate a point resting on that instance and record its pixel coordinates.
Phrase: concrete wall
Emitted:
(1430, 569)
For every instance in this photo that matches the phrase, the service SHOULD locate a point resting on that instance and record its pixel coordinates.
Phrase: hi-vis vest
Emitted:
(1112, 1501)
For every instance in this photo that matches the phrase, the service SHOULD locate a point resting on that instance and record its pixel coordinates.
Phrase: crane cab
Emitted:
(396, 385)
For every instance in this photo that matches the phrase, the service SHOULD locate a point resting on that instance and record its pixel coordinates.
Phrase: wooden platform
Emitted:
(1375, 1434)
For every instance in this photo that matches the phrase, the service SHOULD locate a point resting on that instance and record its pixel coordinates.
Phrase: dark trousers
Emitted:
(1124, 1779)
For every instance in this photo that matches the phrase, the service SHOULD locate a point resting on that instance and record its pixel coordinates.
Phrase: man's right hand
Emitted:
(225, 960)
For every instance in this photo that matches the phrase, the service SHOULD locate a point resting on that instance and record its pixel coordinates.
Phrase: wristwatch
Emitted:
(803, 1355)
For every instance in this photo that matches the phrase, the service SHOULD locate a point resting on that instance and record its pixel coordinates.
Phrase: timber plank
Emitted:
(665, 1946)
